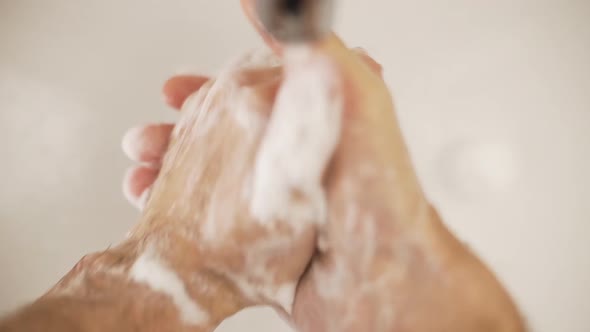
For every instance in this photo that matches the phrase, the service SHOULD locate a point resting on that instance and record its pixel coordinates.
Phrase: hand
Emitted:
(388, 263)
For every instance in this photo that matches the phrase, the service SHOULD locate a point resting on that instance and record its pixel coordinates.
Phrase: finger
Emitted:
(148, 143)
(178, 88)
(305, 123)
(137, 183)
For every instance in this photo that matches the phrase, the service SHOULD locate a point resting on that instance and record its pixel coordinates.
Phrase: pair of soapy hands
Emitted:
(384, 263)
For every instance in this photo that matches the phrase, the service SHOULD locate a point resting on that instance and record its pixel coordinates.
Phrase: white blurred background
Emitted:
(493, 97)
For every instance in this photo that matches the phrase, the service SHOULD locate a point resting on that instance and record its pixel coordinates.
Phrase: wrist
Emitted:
(157, 279)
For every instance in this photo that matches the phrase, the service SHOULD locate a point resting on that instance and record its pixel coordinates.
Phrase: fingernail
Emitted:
(305, 122)
(132, 140)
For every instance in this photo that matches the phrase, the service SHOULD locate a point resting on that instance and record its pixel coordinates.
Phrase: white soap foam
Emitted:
(150, 271)
(301, 137)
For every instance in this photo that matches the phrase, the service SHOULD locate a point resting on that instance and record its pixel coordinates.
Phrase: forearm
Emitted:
(110, 312)
(136, 286)
(463, 293)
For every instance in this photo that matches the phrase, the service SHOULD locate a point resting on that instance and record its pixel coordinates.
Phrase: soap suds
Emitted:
(301, 137)
(150, 271)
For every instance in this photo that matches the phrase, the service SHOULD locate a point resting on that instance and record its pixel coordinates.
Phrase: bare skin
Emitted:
(412, 267)
(387, 262)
